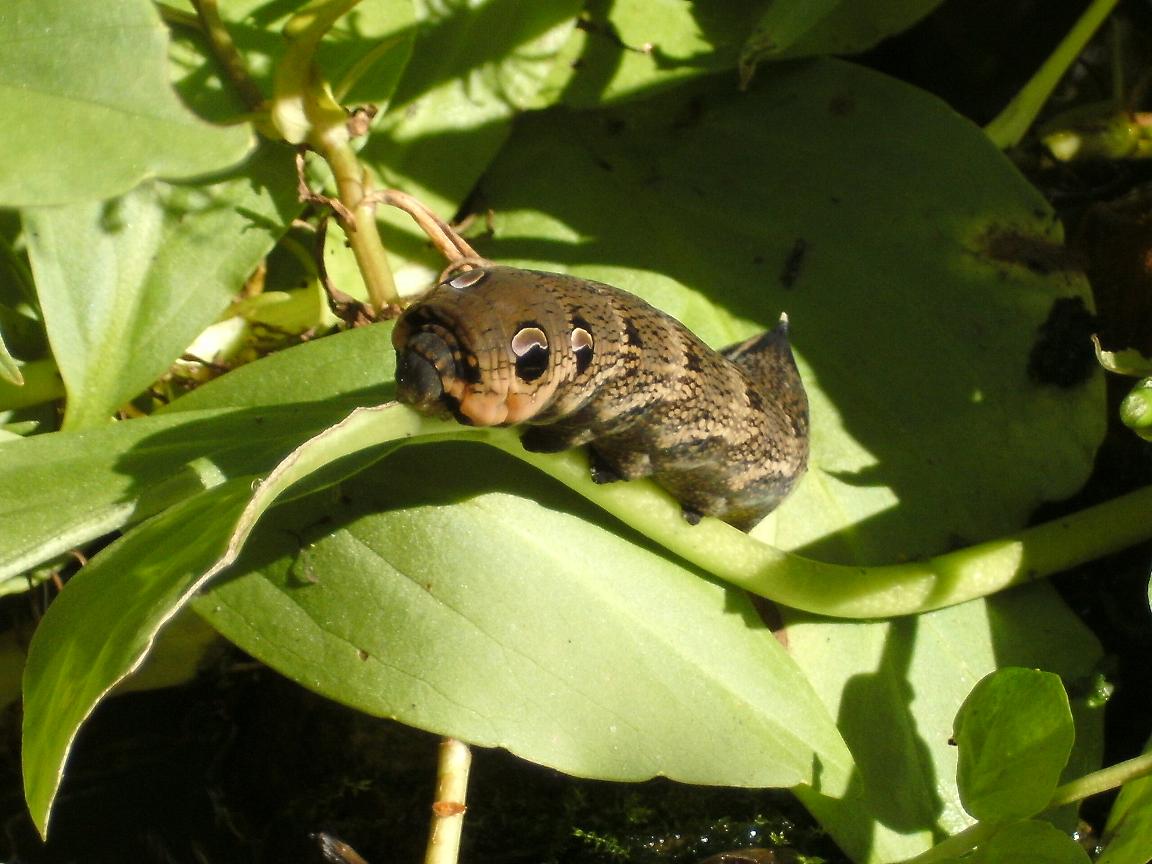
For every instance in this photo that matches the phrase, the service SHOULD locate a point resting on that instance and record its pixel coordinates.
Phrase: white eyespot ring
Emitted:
(583, 347)
(467, 279)
(527, 338)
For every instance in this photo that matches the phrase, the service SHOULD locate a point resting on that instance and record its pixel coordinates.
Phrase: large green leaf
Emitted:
(154, 271)
(101, 628)
(475, 66)
(356, 596)
(802, 29)
(915, 263)
(628, 48)
(66, 488)
(1032, 841)
(87, 106)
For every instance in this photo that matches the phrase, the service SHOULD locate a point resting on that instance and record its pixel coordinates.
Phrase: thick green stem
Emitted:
(354, 190)
(305, 111)
(845, 591)
(1009, 125)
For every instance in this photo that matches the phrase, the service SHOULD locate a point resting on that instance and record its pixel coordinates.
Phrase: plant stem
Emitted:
(1009, 126)
(1103, 780)
(1090, 784)
(846, 591)
(227, 54)
(355, 190)
(304, 110)
(443, 236)
(448, 809)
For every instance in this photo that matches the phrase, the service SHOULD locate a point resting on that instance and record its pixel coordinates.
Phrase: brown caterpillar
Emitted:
(726, 433)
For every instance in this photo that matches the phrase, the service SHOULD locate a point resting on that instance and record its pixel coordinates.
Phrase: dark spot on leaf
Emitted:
(841, 105)
(1062, 353)
(1038, 254)
(790, 272)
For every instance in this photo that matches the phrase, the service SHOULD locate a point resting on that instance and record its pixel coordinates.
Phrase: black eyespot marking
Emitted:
(583, 346)
(530, 345)
(467, 279)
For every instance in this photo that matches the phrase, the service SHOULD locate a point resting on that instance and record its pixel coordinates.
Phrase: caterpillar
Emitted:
(580, 362)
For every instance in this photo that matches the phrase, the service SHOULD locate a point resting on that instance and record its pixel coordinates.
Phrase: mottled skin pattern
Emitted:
(726, 433)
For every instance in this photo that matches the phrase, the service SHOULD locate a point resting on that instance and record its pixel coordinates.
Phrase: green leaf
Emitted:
(157, 565)
(630, 47)
(1034, 842)
(1136, 409)
(908, 677)
(475, 66)
(1127, 835)
(805, 29)
(63, 489)
(99, 629)
(1014, 734)
(39, 381)
(89, 112)
(10, 373)
(503, 643)
(362, 56)
(834, 194)
(154, 272)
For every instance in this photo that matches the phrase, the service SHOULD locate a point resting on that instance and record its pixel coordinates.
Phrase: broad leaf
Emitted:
(1034, 842)
(916, 265)
(154, 272)
(800, 29)
(1014, 734)
(89, 112)
(66, 488)
(510, 649)
(100, 629)
(474, 67)
(629, 48)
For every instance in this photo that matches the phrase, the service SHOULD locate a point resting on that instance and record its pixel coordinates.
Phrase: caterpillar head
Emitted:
(482, 347)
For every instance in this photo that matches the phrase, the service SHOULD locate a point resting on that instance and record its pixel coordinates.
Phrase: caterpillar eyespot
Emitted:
(579, 362)
(466, 279)
(582, 345)
(530, 345)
